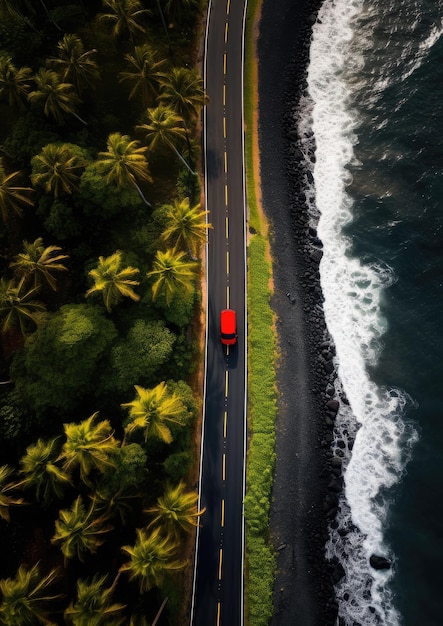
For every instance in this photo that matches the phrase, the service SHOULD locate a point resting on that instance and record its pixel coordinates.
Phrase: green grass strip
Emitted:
(262, 409)
(262, 351)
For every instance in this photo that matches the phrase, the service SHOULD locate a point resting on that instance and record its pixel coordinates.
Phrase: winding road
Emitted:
(217, 598)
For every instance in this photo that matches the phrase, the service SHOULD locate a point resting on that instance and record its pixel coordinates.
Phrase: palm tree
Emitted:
(78, 530)
(8, 10)
(173, 274)
(49, 16)
(56, 169)
(182, 89)
(113, 280)
(39, 263)
(27, 598)
(94, 606)
(89, 445)
(12, 198)
(18, 309)
(58, 99)
(176, 511)
(144, 73)
(187, 227)
(152, 410)
(20, 10)
(38, 466)
(124, 163)
(6, 487)
(74, 65)
(138, 619)
(115, 503)
(152, 556)
(125, 16)
(14, 82)
(166, 128)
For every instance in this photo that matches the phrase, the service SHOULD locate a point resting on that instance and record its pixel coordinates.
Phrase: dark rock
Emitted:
(333, 405)
(379, 562)
(330, 391)
(338, 572)
(329, 367)
(336, 485)
(331, 499)
(331, 513)
(316, 255)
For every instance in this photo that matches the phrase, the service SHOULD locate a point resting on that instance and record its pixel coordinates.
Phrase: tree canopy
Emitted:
(138, 357)
(57, 365)
(85, 208)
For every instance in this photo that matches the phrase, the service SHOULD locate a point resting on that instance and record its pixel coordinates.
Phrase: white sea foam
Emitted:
(373, 421)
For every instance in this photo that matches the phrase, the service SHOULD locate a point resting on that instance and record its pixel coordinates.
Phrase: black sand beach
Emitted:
(307, 476)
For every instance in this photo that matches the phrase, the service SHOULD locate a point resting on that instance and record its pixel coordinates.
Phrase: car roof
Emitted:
(228, 319)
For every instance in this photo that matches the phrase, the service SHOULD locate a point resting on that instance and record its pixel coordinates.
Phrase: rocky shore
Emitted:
(308, 476)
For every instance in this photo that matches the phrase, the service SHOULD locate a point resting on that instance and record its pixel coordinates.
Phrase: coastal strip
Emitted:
(307, 475)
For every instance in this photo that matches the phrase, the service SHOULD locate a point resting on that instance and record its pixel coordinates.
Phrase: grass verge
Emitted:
(262, 350)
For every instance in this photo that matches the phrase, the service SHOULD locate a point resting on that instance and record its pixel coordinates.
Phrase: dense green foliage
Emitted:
(77, 336)
(89, 325)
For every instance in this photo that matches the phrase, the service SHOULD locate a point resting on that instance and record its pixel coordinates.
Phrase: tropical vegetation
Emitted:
(100, 239)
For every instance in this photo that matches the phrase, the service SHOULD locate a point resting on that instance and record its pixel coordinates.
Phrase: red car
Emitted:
(228, 327)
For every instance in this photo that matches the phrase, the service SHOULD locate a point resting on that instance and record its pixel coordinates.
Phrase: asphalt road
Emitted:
(218, 577)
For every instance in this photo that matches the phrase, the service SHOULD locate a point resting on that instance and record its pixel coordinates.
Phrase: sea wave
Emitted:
(371, 432)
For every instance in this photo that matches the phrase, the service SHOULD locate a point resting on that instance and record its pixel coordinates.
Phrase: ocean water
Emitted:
(373, 116)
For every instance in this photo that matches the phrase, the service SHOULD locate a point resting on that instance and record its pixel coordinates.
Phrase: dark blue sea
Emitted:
(375, 111)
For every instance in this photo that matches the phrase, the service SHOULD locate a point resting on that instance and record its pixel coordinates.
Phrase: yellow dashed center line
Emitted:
(222, 513)
(224, 127)
(224, 95)
(226, 162)
(224, 63)
(227, 227)
(218, 613)
(226, 31)
(224, 467)
(220, 562)
(226, 383)
(228, 6)
(226, 195)
(225, 424)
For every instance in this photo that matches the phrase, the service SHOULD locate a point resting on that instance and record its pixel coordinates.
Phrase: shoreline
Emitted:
(307, 477)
